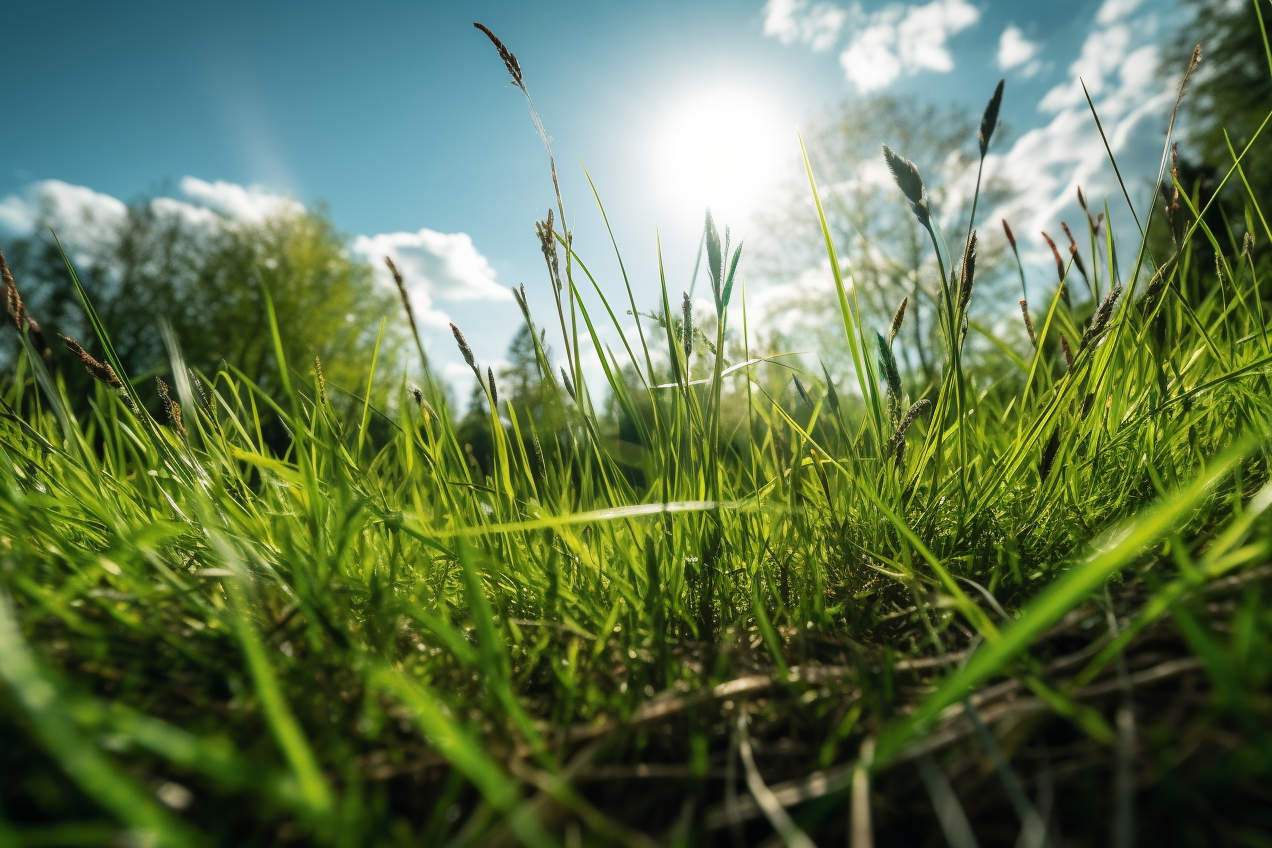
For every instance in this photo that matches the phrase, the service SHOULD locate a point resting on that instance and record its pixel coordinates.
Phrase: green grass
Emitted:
(1049, 618)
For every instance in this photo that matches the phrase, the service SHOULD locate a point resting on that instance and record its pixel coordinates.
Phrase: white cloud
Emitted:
(1016, 51)
(792, 21)
(445, 266)
(1118, 62)
(249, 204)
(83, 219)
(1116, 10)
(900, 40)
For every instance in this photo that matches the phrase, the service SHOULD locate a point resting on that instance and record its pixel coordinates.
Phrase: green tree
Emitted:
(206, 276)
(1231, 91)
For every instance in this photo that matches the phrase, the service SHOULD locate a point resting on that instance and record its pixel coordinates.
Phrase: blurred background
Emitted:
(189, 154)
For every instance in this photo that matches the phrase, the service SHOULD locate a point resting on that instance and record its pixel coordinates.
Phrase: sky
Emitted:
(402, 121)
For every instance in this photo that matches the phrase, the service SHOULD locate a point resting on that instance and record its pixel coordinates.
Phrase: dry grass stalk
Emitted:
(100, 371)
(989, 119)
(509, 60)
(170, 407)
(1024, 310)
(911, 185)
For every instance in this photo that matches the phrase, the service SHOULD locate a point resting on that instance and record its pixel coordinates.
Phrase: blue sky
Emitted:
(400, 117)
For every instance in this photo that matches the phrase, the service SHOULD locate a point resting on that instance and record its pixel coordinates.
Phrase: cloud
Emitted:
(250, 204)
(84, 220)
(792, 21)
(1118, 62)
(1015, 51)
(900, 40)
(444, 266)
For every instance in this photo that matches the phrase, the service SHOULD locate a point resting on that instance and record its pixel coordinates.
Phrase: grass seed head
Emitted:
(1055, 251)
(686, 326)
(912, 414)
(464, 349)
(911, 185)
(322, 380)
(1073, 251)
(170, 407)
(1024, 310)
(897, 318)
(891, 375)
(509, 60)
(1068, 354)
(989, 119)
(547, 244)
(100, 371)
(969, 274)
(12, 300)
(494, 392)
(1011, 237)
(1100, 320)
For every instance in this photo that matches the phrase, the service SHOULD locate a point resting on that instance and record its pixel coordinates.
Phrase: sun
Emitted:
(722, 147)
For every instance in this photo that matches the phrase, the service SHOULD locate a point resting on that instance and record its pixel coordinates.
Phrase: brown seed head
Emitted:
(171, 408)
(1068, 354)
(1073, 251)
(100, 371)
(509, 60)
(1056, 252)
(1011, 237)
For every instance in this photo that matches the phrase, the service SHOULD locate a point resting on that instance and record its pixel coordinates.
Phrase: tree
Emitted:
(1231, 91)
(206, 275)
(874, 231)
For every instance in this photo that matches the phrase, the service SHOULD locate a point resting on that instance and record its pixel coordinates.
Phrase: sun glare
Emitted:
(722, 148)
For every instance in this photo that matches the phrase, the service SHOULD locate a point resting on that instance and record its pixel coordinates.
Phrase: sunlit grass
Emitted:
(1045, 588)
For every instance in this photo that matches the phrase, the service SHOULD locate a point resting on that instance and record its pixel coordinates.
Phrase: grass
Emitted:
(1040, 613)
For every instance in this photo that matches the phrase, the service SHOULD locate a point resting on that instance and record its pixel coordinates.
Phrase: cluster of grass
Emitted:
(1023, 604)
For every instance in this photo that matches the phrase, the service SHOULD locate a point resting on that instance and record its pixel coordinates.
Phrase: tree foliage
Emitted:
(206, 276)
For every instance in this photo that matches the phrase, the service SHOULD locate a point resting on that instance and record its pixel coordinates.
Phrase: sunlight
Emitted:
(722, 147)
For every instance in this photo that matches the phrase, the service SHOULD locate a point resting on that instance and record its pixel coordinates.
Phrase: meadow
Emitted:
(1024, 604)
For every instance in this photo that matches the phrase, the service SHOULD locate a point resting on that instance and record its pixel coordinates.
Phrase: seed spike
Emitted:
(911, 184)
(989, 119)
